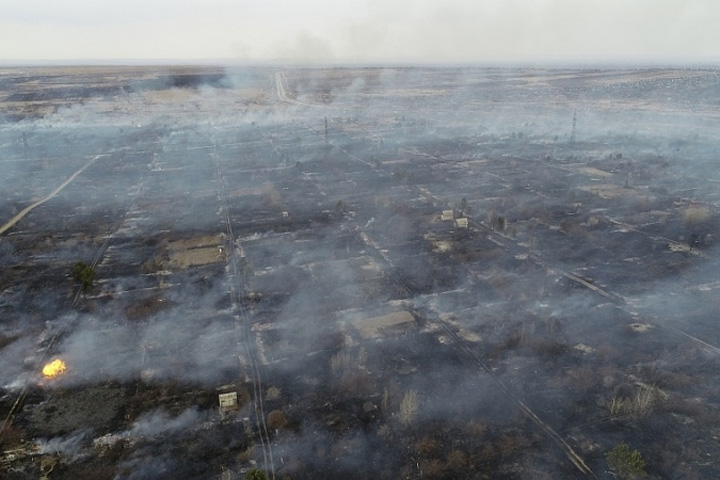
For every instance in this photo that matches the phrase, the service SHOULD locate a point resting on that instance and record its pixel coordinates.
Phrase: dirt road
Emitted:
(30, 208)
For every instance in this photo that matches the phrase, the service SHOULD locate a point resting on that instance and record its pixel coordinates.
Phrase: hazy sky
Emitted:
(360, 30)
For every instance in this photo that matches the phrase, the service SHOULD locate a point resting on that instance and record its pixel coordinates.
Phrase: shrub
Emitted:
(273, 393)
(276, 419)
(385, 400)
(427, 446)
(340, 362)
(83, 274)
(476, 428)
(628, 464)
(457, 460)
(256, 474)
(636, 406)
(409, 407)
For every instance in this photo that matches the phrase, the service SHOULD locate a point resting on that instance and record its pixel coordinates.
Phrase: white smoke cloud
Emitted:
(320, 30)
(70, 446)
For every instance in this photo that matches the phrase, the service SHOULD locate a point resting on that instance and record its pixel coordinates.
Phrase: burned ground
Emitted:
(402, 272)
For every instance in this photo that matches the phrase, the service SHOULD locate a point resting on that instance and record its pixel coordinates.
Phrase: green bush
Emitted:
(256, 474)
(628, 464)
(83, 274)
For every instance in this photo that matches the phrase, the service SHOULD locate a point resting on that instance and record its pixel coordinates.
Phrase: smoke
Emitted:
(368, 31)
(336, 235)
(69, 447)
(173, 345)
(305, 48)
(15, 374)
(158, 423)
(149, 463)
(316, 451)
(147, 460)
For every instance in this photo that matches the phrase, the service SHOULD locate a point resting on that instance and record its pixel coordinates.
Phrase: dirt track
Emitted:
(10, 223)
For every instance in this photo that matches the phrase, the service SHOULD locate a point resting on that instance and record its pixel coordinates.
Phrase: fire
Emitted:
(54, 368)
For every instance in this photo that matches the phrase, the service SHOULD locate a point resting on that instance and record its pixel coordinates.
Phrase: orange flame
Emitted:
(54, 368)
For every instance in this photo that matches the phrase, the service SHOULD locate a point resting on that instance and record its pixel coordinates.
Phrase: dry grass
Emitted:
(487, 455)
(362, 356)
(432, 469)
(271, 197)
(696, 215)
(276, 419)
(427, 446)
(195, 257)
(457, 460)
(196, 251)
(341, 362)
(146, 308)
(356, 382)
(273, 393)
(375, 327)
(638, 405)
(409, 407)
(477, 428)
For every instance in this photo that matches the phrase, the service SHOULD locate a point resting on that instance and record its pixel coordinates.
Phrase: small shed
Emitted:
(228, 402)
(461, 223)
(447, 215)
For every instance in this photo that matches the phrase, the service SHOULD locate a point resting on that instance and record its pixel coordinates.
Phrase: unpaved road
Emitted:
(30, 208)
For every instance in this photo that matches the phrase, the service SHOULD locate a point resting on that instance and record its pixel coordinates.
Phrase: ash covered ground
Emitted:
(393, 272)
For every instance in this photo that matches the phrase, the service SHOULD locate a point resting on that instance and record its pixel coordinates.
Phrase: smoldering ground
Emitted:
(337, 234)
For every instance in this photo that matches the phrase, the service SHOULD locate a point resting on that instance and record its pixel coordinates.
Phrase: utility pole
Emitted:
(326, 131)
(25, 144)
(572, 135)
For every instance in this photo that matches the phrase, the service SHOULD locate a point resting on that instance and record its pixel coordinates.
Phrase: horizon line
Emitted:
(555, 62)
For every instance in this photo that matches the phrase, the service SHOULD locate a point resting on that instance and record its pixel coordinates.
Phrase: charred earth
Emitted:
(359, 273)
